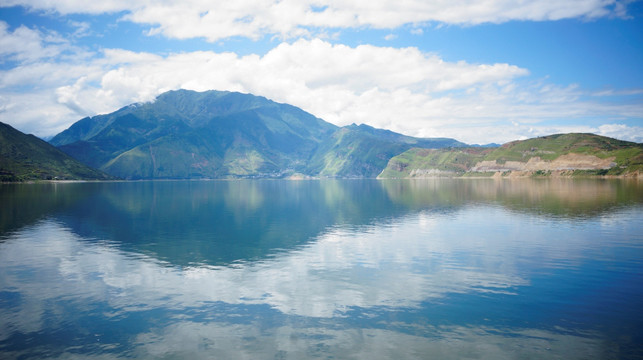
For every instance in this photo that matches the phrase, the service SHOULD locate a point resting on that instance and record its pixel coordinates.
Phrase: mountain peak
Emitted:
(214, 134)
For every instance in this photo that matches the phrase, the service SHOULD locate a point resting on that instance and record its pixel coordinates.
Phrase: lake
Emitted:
(342, 269)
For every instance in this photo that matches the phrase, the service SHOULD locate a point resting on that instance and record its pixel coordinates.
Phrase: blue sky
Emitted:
(478, 71)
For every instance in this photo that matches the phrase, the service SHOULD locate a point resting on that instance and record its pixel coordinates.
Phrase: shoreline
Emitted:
(496, 176)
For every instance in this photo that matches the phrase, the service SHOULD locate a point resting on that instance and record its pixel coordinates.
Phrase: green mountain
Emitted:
(218, 134)
(561, 154)
(186, 134)
(26, 157)
(363, 151)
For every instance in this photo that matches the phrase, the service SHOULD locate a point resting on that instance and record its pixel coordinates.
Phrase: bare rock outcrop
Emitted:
(569, 161)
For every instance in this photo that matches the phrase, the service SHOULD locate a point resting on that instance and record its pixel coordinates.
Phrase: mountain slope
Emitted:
(218, 134)
(433, 162)
(186, 134)
(561, 154)
(25, 157)
(363, 151)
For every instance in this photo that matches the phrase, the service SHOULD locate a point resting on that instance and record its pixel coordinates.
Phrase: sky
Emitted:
(479, 71)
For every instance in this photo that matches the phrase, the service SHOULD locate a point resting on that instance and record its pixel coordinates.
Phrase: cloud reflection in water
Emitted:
(433, 281)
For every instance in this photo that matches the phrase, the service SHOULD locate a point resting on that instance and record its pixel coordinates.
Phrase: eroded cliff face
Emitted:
(565, 162)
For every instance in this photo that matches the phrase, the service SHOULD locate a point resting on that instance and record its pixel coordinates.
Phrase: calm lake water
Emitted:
(346, 269)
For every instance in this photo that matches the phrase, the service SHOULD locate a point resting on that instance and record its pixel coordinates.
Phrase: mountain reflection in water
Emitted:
(337, 268)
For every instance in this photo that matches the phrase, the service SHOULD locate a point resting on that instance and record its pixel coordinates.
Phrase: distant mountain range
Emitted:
(217, 134)
(26, 157)
(554, 155)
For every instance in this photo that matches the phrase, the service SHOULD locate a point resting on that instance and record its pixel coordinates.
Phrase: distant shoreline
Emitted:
(635, 176)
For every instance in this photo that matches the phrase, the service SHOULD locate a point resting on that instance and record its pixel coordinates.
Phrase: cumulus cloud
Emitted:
(25, 44)
(215, 20)
(336, 82)
(622, 131)
(77, 6)
(405, 90)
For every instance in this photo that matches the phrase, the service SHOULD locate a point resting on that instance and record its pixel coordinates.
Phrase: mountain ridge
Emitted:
(220, 134)
(27, 158)
(570, 154)
(185, 134)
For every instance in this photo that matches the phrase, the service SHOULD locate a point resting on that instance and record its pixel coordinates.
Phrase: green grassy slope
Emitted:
(552, 146)
(25, 157)
(627, 156)
(363, 151)
(437, 162)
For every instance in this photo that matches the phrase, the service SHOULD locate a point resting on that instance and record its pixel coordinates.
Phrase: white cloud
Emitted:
(404, 90)
(215, 20)
(78, 6)
(622, 131)
(25, 44)
(82, 28)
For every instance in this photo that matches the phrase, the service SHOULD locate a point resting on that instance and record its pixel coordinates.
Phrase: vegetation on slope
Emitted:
(628, 156)
(25, 158)
(552, 146)
(625, 158)
(187, 134)
(363, 151)
(434, 162)
(214, 134)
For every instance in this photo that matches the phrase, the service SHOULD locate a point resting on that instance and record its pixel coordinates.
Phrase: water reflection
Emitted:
(200, 341)
(359, 269)
(566, 198)
(219, 222)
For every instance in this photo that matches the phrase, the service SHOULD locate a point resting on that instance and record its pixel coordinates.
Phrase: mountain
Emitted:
(220, 134)
(186, 134)
(561, 154)
(26, 157)
(363, 151)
